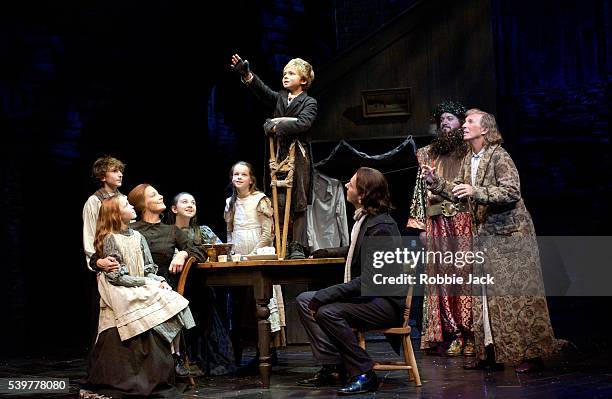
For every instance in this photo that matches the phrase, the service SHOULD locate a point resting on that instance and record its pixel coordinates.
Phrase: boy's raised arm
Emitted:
(257, 86)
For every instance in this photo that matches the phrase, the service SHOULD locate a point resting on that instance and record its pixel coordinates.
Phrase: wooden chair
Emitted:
(181, 290)
(409, 364)
(189, 378)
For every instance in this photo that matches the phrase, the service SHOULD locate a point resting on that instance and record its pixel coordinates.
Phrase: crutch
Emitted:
(275, 200)
(287, 204)
(286, 165)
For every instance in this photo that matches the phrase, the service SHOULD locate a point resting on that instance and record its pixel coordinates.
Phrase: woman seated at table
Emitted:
(170, 246)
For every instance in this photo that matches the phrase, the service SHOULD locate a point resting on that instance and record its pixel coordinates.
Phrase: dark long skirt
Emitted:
(138, 367)
(209, 343)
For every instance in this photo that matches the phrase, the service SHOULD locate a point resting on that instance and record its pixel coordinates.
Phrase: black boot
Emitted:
(296, 251)
(363, 383)
(329, 375)
(179, 366)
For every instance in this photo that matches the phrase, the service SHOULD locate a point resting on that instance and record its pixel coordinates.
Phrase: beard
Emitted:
(448, 143)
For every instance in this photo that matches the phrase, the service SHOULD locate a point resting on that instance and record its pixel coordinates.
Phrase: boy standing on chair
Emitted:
(294, 114)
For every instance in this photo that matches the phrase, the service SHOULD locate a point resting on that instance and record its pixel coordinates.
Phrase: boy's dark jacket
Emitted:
(304, 108)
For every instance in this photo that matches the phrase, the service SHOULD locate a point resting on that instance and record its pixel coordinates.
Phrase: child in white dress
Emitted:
(248, 216)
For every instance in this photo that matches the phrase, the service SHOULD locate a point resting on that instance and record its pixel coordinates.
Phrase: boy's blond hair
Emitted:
(304, 69)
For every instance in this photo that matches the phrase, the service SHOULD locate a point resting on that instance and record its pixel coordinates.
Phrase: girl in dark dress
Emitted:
(209, 344)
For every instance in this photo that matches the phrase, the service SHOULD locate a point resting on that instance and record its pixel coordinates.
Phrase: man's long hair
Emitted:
(373, 188)
(109, 221)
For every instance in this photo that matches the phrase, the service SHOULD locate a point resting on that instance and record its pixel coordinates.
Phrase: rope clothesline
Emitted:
(400, 170)
(363, 155)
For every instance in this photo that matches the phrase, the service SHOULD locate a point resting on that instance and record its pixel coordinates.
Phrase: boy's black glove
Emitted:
(242, 68)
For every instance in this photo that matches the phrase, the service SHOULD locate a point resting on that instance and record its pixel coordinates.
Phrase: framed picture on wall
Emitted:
(386, 102)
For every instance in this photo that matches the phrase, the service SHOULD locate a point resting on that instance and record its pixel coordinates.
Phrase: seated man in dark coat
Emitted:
(329, 315)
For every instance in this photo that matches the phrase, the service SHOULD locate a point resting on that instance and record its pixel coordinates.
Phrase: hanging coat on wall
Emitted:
(327, 225)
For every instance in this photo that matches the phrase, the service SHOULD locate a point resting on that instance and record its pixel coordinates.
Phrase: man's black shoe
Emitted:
(330, 375)
(363, 383)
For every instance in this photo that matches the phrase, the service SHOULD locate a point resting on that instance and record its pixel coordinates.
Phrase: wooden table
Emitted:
(261, 275)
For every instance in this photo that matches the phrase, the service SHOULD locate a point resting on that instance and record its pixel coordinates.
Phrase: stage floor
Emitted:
(568, 376)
